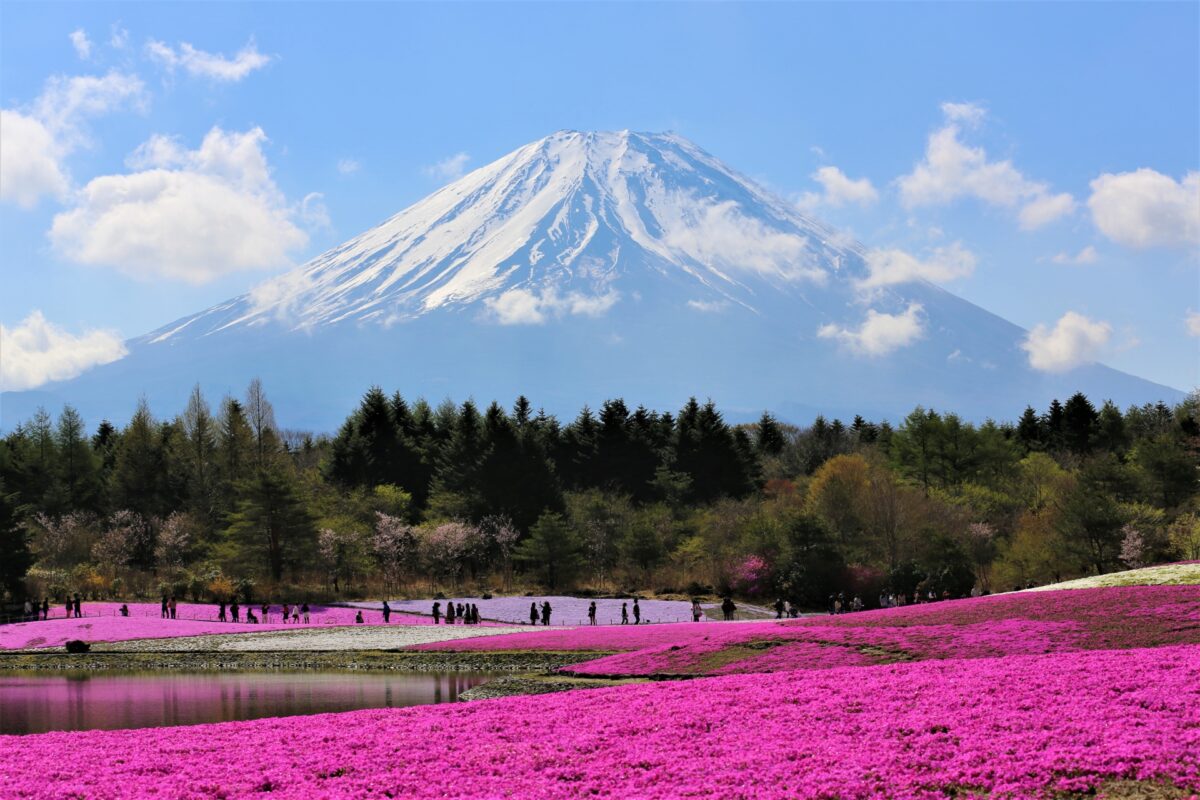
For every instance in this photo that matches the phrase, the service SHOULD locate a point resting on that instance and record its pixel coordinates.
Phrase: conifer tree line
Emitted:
(411, 498)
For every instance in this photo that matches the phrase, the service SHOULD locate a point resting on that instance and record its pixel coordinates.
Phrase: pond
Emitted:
(36, 703)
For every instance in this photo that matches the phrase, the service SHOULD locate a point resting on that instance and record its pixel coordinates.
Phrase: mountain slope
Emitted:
(588, 265)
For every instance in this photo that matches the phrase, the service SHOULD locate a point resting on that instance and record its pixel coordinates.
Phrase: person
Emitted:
(449, 613)
(164, 607)
(474, 614)
(387, 612)
(45, 608)
(697, 611)
(124, 610)
(728, 608)
(533, 613)
(637, 612)
(287, 610)
(462, 614)
(27, 610)
(437, 612)
(78, 607)
(221, 611)
(779, 608)
(172, 606)
(358, 618)
(250, 618)
(234, 608)
(624, 613)
(546, 613)
(592, 613)
(266, 612)
(296, 615)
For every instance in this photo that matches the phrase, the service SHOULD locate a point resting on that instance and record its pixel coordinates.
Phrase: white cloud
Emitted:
(889, 267)
(448, 168)
(202, 64)
(66, 102)
(1145, 208)
(1087, 255)
(970, 114)
(952, 170)
(839, 190)
(1044, 209)
(119, 37)
(81, 43)
(189, 215)
(37, 351)
(35, 141)
(30, 165)
(708, 306)
(880, 333)
(348, 166)
(1192, 322)
(1074, 340)
(313, 211)
(719, 236)
(525, 307)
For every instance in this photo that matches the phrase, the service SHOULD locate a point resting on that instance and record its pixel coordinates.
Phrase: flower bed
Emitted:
(1182, 573)
(1024, 726)
(144, 622)
(975, 628)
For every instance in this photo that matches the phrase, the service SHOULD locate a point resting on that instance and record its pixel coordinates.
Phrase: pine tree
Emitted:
(78, 468)
(1079, 423)
(769, 436)
(270, 526)
(199, 431)
(140, 470)
(235, 446)
(1029, 431)
(552, 550)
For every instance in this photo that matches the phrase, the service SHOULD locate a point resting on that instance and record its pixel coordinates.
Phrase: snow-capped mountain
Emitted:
(584, 266)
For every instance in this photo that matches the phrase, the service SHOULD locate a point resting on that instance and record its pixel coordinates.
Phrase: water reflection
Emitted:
(35, 703)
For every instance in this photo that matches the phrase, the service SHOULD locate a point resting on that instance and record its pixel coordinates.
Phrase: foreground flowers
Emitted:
(1024, 726)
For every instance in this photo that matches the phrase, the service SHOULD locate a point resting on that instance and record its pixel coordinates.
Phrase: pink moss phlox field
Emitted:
(1017, 727)
(1017, 624)
(144, 622)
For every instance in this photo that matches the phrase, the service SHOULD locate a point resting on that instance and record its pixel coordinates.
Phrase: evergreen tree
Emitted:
(270, 527)
(769, 436)
(1053, 426)
(1079, 424)
(1029, 431)
(199, 433)
(235, 447)
(552, 550)
(15, 557)
(140, 470)
(78, 468)
(1111, 435)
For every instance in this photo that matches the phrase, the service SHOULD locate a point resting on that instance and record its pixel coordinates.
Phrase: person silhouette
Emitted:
(546, 612)
(637, 612)
(533, 613)
(592, 613)
(624, 613)
(437, 612)
(387, 612)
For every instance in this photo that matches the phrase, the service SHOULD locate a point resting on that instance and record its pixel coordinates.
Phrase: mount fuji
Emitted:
(585, 266)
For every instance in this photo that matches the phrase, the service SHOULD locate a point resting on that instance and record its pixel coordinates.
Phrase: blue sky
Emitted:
(1046, 133)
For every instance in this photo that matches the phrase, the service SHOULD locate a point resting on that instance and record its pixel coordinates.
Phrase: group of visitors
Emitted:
(169, 607)
(462, 613)
(784, 608)
(839, 604)
(32, 611)
(545, 613)
(232, 612)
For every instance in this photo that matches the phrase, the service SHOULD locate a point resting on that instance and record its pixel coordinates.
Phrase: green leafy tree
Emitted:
(270, 527)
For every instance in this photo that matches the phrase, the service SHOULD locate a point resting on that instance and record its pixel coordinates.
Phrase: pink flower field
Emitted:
(1083, 619)
(1017, 727)
(104, 624)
